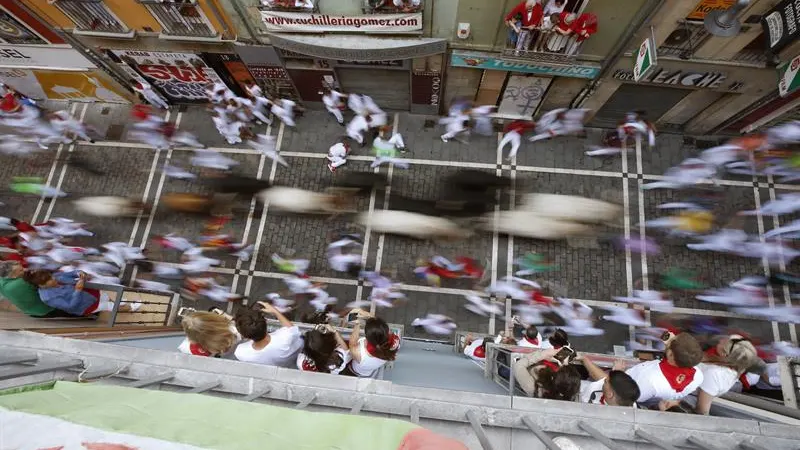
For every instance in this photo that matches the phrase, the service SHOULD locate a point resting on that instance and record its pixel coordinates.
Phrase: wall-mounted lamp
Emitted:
(723, 22)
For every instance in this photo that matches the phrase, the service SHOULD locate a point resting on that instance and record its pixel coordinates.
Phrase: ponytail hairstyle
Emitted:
(562, 384)
(559, 339)
(381, 343)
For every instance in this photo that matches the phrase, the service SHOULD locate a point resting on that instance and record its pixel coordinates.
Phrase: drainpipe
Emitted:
(221, 19)
(254, 36)
(643, 16)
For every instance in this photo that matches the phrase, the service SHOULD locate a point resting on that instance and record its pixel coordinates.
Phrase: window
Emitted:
(92, 15)
(180, 18)
(12, 31)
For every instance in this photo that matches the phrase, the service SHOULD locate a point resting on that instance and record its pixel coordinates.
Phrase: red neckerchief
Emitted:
(603, 399)
(308, 365)
(745, 382)
(677, 377)
(479, 352)
(712, 352)
(393, 338)
(195, 349)
(532, 341)
(551, 365)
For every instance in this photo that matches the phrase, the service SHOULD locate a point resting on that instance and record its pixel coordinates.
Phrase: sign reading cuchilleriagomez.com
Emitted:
(293, 22)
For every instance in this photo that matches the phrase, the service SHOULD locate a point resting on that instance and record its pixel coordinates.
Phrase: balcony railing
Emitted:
(92, 15)
(751, 56)
(548, 47)
(392, 6)
(180, 18)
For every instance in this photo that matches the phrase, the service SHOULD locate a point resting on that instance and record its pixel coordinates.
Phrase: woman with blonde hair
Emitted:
(208, 334)
(722, 366)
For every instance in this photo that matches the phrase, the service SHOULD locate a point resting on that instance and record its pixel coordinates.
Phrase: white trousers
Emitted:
(336, 113)
(515, 139)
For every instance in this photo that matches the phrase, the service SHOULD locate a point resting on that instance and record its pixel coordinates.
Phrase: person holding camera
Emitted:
(547, 374)
(371, 352)
(279, 348)
(324, 351)
(615, 388)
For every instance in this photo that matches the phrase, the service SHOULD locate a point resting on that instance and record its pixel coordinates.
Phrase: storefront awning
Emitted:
(358, 48)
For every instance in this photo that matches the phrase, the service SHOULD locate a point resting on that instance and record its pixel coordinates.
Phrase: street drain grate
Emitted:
(429, 123)
(105, 111)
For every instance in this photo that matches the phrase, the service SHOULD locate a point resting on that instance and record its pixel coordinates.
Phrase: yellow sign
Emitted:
(706, 6)
(79, 86)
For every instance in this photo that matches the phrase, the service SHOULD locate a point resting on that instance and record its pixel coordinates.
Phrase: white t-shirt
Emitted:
(588, 388)
(524, 342)
(470, 350)
(654, 385)
(717, 379)
(303, 360)
(369, 365)
(281, 351)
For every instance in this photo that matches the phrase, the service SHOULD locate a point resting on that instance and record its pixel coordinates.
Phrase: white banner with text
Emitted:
(296, 22)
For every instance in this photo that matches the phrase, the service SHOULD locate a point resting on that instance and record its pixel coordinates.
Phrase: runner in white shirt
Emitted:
(278, 348)
(357, 126)
(147, 92)
(344, 255)
(334, 103)
(672, 378)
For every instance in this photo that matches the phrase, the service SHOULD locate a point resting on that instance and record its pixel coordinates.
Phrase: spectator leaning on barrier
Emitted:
(22, 294)
(279, 348)
(722, 367)
(615, 388)
(672, 378)
(540, 375)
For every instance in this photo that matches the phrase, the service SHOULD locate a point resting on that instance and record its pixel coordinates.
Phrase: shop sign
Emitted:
(780, 24)
(38, 57)
(181, 77)
(789, 77)
(89, 86)
(274, 80)
(705, 80)
(706, 6)
(488, 62)
(426, 87)
(645, 59)
(13, 31)
(294, 22)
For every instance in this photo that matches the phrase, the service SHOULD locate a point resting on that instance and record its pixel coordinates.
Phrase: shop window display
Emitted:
(548, 26)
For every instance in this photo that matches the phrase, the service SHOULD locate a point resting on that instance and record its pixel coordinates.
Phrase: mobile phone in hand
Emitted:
(352, 317)
(565, 355)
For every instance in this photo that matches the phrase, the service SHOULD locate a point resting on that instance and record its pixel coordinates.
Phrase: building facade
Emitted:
(38, 62)
(178, 46)
(701, 83)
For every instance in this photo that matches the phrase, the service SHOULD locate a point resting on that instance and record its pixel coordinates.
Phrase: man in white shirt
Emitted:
(672, 378)
(279, 348)
(615, 388)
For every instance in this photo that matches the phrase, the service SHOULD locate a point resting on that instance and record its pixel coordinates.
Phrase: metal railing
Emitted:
(751, 57)
(91, 15)
(121, 294)
(182, 18)
(789, 370)
(549, 47)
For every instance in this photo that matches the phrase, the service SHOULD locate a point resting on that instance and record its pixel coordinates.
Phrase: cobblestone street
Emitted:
(589, 271)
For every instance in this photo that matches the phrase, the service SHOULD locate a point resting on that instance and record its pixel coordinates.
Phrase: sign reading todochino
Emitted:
(294, 22)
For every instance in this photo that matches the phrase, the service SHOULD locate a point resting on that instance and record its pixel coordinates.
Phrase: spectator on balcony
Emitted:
(554, 7)
(722, 367)
(65, 291)
(407, 5)
(583, 27)
(549, 23)
(23, 295)
(522, 21)
(324, 351)
(541, 375)
(208, 334)
(561, 33)
(371, 352)
(672, 378)
(279, 348)
(615, 388)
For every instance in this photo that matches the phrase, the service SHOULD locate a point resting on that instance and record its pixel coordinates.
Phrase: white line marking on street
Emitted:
(64, 169)
(776, 333)
(382, 237)
(496, 237)
(52, 173)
